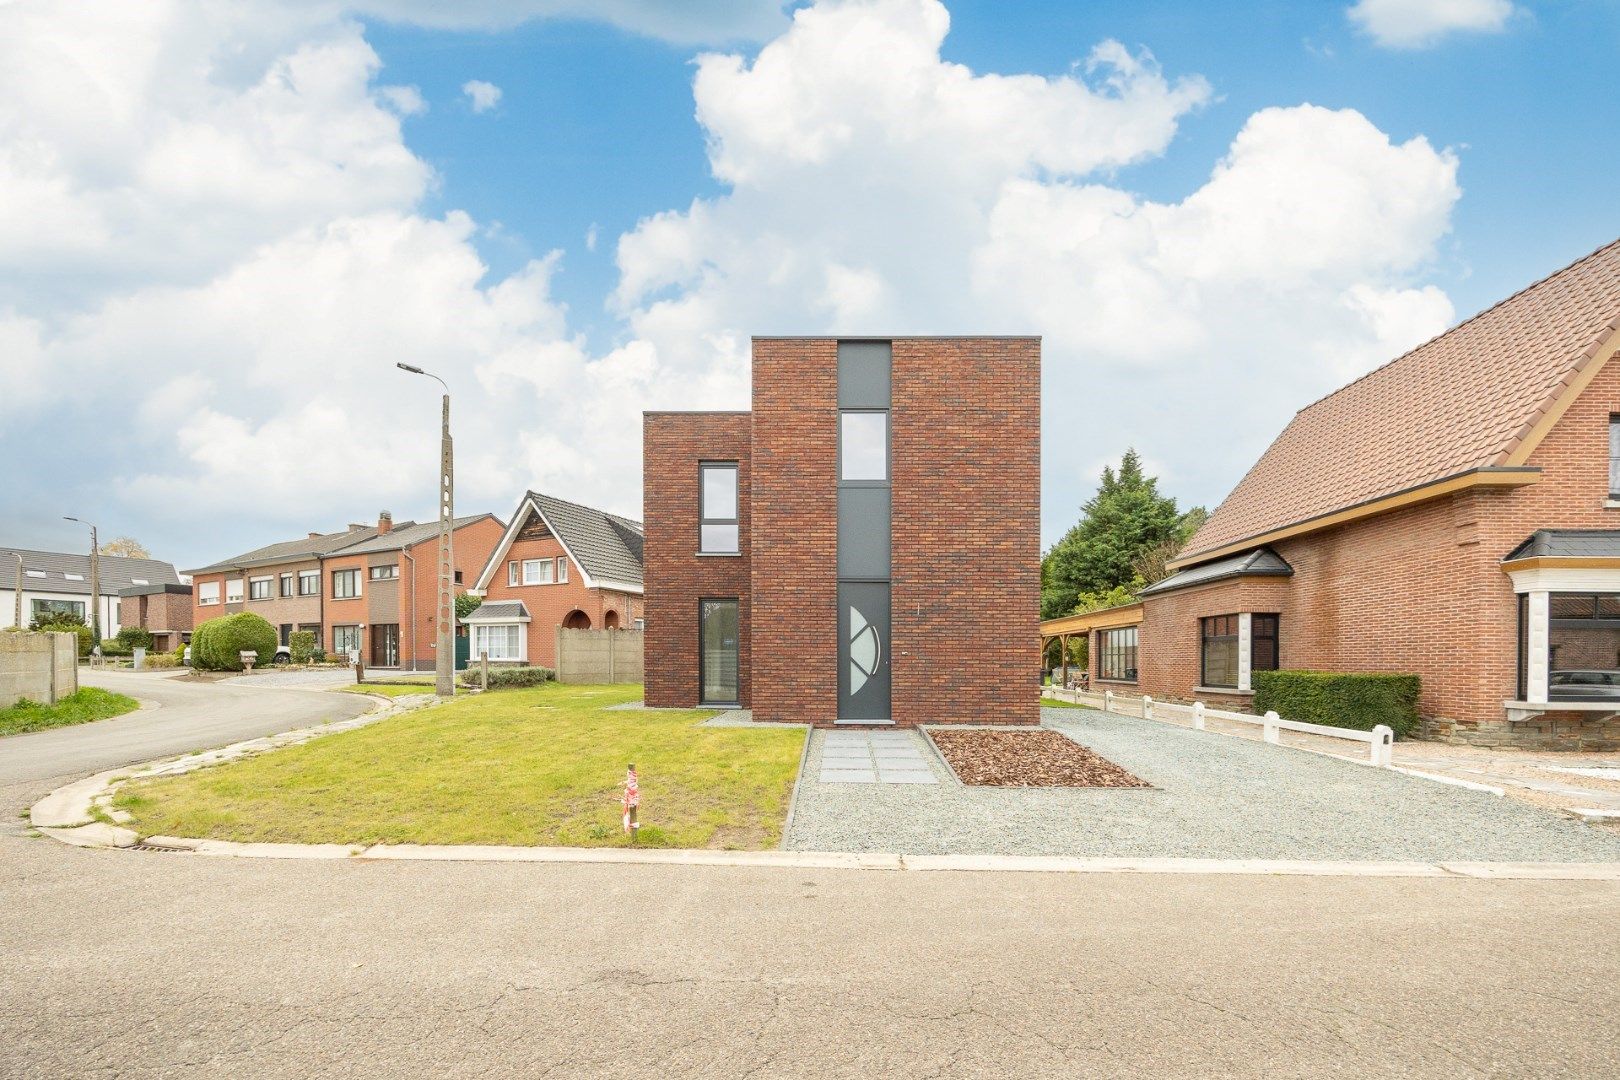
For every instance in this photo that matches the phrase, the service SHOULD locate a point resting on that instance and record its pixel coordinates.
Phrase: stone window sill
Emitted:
(1228, 691)
(719, 554)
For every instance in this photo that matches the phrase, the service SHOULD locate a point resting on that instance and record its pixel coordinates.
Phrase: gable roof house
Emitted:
(558, 564)
(1454, 513)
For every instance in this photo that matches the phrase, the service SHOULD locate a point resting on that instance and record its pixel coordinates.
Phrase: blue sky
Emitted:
(248, 211)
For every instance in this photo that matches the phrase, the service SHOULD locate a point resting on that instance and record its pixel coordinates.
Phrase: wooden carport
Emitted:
(1085, 625)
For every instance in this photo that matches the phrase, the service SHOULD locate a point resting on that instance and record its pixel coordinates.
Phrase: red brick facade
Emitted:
(677, 577)
(1419, 590)
(560, 603)
(164, 611)
(964, 444)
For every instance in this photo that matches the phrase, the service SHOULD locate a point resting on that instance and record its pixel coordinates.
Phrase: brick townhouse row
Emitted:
(1453, 514)
(372, 589)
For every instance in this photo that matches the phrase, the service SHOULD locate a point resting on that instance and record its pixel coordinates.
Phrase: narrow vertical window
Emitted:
(1614, 456)
(863, 446)
(717, 508)
(562, 569)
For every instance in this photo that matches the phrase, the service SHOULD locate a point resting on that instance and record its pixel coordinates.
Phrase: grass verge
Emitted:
(88, 704)
(536, 767)
(1058, 703)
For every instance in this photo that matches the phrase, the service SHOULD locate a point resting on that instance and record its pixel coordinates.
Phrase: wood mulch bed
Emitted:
(1028, 759)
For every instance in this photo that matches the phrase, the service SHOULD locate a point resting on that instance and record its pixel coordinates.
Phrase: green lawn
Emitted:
(388, 689)
(1059, 703)
(532, 767)
(90, 703)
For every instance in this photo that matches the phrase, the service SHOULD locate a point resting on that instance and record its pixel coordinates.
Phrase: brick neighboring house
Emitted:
(557, 564)
(863, 547)
(352, 589)
(1454, 514)
(163, 610)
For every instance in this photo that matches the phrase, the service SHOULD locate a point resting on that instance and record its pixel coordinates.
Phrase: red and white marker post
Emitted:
(632, 800)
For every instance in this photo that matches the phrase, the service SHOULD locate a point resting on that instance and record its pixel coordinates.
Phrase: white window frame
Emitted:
(286, 586)
(234, 590)
(480, 641)
(537, 565)
(309, 575)
(359, 583)
(561, 577)
(207, 593)
(373, 575)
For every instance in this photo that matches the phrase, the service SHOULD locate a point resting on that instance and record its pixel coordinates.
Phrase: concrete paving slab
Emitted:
(847, 776)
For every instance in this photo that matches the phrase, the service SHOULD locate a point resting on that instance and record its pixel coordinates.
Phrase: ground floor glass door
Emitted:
(385, 645)
(863, 650)
(718, 636)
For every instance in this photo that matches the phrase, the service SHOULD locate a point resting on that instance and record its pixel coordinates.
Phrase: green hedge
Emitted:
(131, 638)
(508, 678)
(217, 643)
(1359, 701)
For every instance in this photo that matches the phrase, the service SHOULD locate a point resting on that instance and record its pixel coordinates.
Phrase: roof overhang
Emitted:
(1554, 562)
(1492, 476)
(1087, 621)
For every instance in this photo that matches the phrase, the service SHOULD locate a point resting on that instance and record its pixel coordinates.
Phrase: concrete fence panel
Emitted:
(39, 667)
(599, 656)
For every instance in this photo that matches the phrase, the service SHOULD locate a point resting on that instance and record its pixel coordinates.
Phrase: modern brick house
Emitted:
(1453, 514)
(164, 610)
(863, 546)
(557, 564)
(368, 588)
(54, 581)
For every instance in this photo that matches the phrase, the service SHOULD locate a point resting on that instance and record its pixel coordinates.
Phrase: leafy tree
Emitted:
(1097, 558)
(466, 604)
(127, 546)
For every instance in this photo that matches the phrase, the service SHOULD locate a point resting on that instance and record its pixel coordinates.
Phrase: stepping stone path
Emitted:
(874, 757)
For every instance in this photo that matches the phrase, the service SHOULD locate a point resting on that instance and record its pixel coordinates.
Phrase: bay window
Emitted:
(502, 641)
(1583, 646)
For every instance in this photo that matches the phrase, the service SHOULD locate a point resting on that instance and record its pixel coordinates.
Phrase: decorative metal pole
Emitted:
(444, 664)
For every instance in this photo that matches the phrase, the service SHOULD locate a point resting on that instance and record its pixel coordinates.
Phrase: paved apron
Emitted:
(874, 757)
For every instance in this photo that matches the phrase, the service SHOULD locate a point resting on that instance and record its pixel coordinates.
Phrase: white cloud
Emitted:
(1417, 24)
(915, 195)
(212, 243)
(481, 95)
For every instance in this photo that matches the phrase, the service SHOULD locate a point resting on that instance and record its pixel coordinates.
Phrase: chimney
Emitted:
(385, 522)
(316, 535)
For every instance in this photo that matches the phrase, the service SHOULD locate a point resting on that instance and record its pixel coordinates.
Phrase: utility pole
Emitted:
(17, 619)
(444, 664)
(95, 584)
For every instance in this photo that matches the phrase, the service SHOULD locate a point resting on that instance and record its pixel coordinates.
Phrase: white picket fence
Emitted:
(1380, 740)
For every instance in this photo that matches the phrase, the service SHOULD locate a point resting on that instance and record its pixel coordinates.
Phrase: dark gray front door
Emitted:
(863, 650)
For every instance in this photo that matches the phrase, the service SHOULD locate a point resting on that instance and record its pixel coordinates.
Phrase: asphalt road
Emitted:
(136, 964)
(178, 716)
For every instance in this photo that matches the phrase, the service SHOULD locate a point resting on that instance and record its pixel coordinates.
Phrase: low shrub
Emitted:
(509, 678)
(86, 640)
(217, 644)
(161, 661)
(318, 656)
(1360, 701)
(301, 644)
(131, 638)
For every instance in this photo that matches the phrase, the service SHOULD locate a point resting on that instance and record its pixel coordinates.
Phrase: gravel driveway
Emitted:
(1213, 796)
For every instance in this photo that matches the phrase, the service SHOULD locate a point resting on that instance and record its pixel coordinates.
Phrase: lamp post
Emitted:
(444, 665)
(95, 584)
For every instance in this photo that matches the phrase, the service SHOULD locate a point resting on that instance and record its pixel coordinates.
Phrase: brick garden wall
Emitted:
(676, 576)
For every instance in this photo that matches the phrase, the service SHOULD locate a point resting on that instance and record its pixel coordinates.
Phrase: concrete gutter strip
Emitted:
(1454, 781)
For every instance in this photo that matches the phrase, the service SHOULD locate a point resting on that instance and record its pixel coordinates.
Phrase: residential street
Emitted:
(177, 716)
(131, 963)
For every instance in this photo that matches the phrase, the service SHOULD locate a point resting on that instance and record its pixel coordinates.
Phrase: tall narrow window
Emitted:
(1263, 648)
(1614, 456)
(718, 652)
(1218, 651)
(717, 509)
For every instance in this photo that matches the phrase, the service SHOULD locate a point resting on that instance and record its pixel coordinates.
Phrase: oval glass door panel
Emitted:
(864, 650)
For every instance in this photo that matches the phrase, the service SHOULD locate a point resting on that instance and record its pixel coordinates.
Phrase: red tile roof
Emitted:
(1464, 400)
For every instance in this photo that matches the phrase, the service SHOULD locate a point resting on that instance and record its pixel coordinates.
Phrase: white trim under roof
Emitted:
(497, 557)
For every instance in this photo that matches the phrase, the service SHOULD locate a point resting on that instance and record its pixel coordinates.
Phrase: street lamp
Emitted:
(95, 584)
(445, 663)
